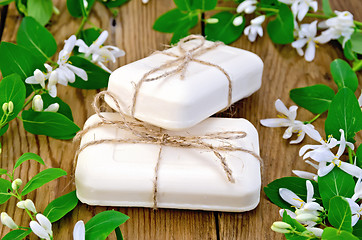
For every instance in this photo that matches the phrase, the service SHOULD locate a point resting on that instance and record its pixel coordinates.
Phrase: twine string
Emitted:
(181, 63)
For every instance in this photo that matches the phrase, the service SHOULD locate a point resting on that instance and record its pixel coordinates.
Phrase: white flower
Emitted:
(314, 134)
(79, 231)
(10, 106)
(306, 212)
(38, 78)
(248, 6)
(307, 35)
(360, 100)
(238, 21)
(355, 209)
(301, 7)
(306, 175)
(37, 105)
(316, 231)
(52, 83)
(287, 119)
(255, 28)
(357, 190)
(27, 204)
(341, 25)
(212, 20)
(145, 1)
(8, 221)
(42, 228)
(16, 184)
(324, 156)
(66, 71)
(281, 227)
(100, 54)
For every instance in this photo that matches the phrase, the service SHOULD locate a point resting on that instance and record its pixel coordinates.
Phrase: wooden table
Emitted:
(132, 31)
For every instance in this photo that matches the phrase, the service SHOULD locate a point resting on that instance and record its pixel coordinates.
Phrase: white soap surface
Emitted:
(174, 103)
(123, 174)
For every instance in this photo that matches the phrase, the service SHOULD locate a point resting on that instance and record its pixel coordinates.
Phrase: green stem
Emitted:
(81, 26)
(315, 118)
(359, 24)
(264, 9)
(225, 8)
(350, 155)
(357, 66)
(118, 233)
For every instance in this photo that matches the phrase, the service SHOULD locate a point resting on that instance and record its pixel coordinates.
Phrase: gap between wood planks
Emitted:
(4, 13)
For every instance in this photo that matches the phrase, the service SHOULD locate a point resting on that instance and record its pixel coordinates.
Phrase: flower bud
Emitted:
(5, 107)
(316, 231)
(238, 21)
(21, 204)
(305, 217)
(8, 221)
(16, 184)
(30, 205)
(280, 224)
(279, 230)
(11, 106)
(52, 108)
(37, 103)
(53, 78)
(212, 20)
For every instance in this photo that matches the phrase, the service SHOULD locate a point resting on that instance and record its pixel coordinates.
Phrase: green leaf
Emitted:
(114, 3)
(327, 8)
(343, 75)
(97, 77)
(339, 214)
(61, 206)
(63, 107)
(357, 229)
(42, 178)
(3, 171)
(174, 20)
(295, 184)
(281, 28)
(36, 38)
(12, 89)
(295, 225)
(101, 225)
(344, 113)
(316, 98)
(28, 156)
(41, 10)
(5, 186)
(334, 234)
(189, 5)
(356, 41)
(359, 156)
(89, 35)
(17, 234)
(51, 124)
(224, 30)
(348, 52)
(177, 36)
(335, 183)
(5, 2)
(4, 129)
(17, 59)
(76, 7)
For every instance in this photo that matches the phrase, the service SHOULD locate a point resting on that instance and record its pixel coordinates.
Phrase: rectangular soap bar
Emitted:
(175, 104)
(123, 174)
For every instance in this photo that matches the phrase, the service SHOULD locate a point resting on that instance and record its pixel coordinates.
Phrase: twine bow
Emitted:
(181, 63)
(148, 134)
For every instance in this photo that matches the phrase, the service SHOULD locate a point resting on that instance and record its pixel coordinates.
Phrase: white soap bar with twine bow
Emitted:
(214, 165)
(177, 88)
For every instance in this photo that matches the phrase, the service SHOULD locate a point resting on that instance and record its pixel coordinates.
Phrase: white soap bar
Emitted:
(174, 103)
(123, 174)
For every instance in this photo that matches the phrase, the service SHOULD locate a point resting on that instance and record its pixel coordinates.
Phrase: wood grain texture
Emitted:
(132, 31)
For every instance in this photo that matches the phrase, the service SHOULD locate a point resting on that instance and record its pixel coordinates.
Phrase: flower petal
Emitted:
(79, 231)
(325, 170)
(45, 223)
(275, 122)
(304, 174)
(39, 230)
(310, 191)
(78, 71)
(290, 197)
(52, 108)
(310, 52)
(350, 169)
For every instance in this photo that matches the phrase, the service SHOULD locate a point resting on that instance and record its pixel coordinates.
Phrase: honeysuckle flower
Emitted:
(8, 221)
(281, 227)
(238, 21)
(255, 28)
(306, 212)
(324, 156)
(37, 78)
(145, 1)
(5, 107)
(360, 100)
(52, 83)
(100, 54)
(212, 20)
(306, 175)
(307, 36)
(79, 231)
(66, 71)
(300, 8)
(37, 105)
(42, 228)
(248, 6)
(357, 190)
(287, 119)
(27, 204)
(16, 184)
(341, 25)
(316, 231)
(324, 144)
(355, 209)
(10, 106)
